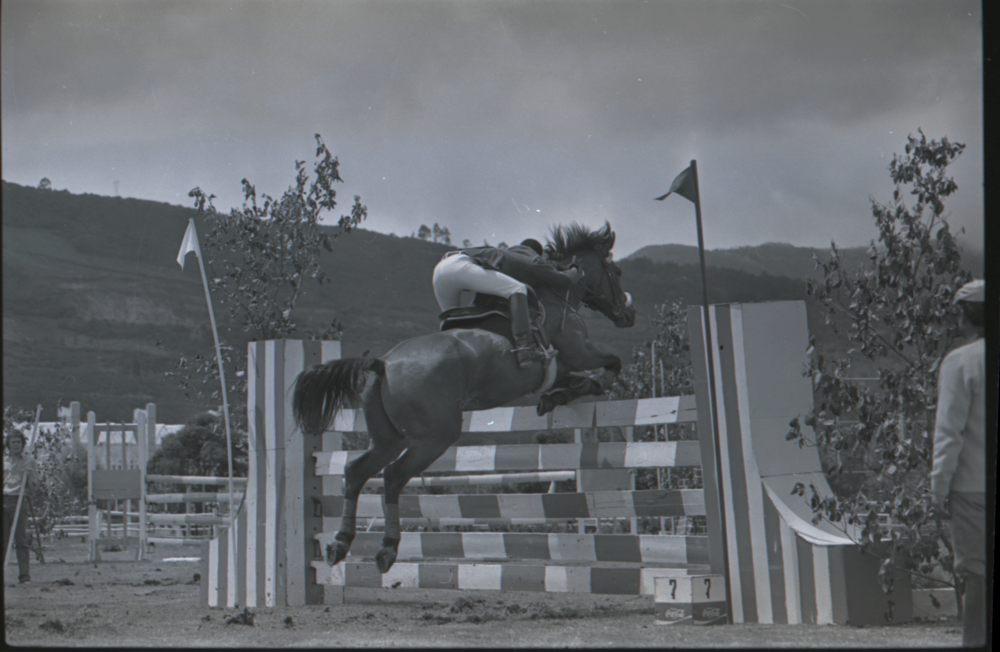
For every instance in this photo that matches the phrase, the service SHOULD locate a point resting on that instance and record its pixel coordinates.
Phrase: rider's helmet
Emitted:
(535, 245)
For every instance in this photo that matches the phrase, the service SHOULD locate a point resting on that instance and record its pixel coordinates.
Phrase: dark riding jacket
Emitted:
(522, 264)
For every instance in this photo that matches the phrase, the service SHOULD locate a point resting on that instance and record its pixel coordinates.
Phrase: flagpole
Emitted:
(20, 495)
(709, 346)
(681, 186)
(222, 375)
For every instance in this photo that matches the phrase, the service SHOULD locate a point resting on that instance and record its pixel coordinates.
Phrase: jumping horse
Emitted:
(413, 396)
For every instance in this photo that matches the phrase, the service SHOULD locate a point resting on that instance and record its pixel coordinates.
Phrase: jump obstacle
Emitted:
(781, 567)
(116, 472)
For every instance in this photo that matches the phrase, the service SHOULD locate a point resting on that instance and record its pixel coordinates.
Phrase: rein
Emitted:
(616, 306)
(565, 301)
(565, 309)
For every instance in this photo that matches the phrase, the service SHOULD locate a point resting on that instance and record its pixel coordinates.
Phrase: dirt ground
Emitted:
(123, 603)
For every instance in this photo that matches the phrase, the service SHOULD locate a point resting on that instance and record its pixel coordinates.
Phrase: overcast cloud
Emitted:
(499, 119)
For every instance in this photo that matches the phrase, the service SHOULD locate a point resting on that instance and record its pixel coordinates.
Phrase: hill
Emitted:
(96, 309)
(773, 258)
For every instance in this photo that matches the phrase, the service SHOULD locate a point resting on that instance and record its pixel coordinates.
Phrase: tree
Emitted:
(423, 232)
(466, 244)
(264, 252)
(199, 448)
(45, 184)
(441, 234)
(899, 306)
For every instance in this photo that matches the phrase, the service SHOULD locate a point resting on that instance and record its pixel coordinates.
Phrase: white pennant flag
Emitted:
(189, 245)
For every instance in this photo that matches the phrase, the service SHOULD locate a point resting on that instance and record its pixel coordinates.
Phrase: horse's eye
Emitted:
(618, 270)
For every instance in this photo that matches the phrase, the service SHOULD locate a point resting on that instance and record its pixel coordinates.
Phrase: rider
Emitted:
(506, 273)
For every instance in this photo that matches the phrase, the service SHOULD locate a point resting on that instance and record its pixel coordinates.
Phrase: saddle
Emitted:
(488, 305)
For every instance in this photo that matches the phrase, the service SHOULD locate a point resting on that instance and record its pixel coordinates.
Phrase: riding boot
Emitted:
(520, 324)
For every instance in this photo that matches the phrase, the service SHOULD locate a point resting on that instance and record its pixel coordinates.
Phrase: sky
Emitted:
(498, 118)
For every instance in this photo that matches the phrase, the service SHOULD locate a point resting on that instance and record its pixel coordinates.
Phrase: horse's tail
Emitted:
(323, 390)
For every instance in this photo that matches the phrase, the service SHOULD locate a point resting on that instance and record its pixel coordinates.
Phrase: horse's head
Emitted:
(591, 252)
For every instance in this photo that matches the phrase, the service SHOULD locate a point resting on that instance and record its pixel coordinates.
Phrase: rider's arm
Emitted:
(535, 269)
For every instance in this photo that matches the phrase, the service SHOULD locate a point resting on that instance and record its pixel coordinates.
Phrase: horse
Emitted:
(414, 395)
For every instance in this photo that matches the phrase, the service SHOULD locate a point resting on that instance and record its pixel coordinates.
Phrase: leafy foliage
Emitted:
(437, 233)
(265, 252)
(670, 371)
(876, 437)
(267, 249)
(199, 449)
(441, 234)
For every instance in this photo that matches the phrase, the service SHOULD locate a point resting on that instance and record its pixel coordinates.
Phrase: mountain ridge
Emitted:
(775, 258)
(97, 310)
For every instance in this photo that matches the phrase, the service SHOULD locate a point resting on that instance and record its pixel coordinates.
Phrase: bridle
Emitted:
(591, 297)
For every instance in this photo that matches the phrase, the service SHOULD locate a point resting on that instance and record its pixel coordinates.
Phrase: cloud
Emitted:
(455, 112)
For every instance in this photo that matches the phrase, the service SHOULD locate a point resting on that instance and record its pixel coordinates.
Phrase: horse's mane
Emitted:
(573, 239)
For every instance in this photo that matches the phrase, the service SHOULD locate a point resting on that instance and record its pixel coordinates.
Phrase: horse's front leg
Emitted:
(576, 353)
(569, 389)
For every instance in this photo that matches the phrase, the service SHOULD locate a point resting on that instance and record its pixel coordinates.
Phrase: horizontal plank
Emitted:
(497, 577)
(466, 522)
(634, 412)
(178, 541)
(195, 497)
(542, 457)
(188, 519)
(490, 478)
(196, 479)
(678, 551)
(597, 504)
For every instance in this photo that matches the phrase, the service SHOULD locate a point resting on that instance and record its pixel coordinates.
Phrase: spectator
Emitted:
(17, 468)
(958, 477)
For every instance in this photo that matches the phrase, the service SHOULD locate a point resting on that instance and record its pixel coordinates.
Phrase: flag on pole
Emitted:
(683, 185)
(189, 245)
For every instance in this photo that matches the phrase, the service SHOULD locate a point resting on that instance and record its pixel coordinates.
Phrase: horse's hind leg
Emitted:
(410, 464)
(356, 474)
(386, 445)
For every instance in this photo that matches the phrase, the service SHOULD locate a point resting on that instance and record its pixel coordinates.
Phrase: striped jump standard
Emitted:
(782, 568)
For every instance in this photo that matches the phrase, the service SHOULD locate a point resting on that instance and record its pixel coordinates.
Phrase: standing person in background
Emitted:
(958, 477)
(17, 468)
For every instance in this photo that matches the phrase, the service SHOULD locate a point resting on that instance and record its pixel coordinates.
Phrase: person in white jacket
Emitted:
(958, 476)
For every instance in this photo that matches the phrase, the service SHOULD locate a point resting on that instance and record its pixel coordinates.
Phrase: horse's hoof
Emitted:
(385, 558)
(545, 405)
(336, 552)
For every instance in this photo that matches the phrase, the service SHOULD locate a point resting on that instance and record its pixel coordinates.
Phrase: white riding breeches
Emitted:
(457, 272)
